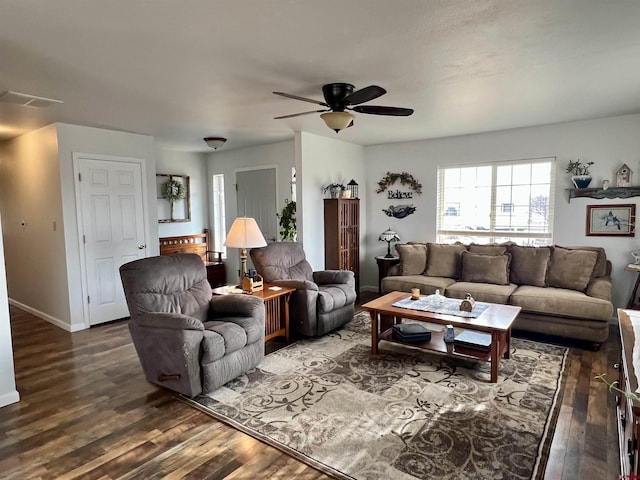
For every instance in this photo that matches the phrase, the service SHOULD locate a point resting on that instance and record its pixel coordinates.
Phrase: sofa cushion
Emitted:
(529, 265)
(427, 285)
(444, 260)
(561, 302)
(482, 292)
(233, 336)
(600, 270)
(335, 296)
(572, 269)
(413, 258)
(481, 268)
(489, 249)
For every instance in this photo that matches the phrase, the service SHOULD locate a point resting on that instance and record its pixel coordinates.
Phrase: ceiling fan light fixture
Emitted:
(337, 120)
(215, 142)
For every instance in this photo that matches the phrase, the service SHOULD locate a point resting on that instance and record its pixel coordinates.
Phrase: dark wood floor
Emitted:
(87, 412)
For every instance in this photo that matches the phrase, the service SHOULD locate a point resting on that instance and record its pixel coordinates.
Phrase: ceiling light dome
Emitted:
(337, 120)
(215, 142)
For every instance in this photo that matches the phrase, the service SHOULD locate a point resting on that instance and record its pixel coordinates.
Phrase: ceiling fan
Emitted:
(339, 97)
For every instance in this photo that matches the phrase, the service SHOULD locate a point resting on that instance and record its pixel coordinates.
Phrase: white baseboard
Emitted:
(9, 398)
(44, 316)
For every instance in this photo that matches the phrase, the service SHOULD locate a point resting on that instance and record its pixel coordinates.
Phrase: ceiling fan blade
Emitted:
(299, 114)
(365, 94)
(296, 97)
(379, 110)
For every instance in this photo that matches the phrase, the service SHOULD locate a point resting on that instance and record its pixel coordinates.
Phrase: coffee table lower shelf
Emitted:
(437, 344)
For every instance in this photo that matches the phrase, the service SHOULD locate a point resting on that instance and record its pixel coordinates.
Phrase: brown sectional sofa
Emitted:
(563, 291)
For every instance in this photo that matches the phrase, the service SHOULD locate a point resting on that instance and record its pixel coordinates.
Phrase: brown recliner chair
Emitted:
(188, 340)
(323, 301)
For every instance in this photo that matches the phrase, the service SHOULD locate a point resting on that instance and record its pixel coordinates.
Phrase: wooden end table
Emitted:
(495, 320)
(384, 264)
(276, 305)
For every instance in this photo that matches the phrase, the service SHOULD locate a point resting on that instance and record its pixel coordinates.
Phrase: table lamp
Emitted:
(388, 236)
(244, 233)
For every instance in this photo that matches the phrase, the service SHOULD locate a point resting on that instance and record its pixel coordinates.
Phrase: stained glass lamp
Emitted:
(388, 236)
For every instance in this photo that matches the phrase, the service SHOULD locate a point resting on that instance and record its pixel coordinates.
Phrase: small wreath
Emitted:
(405, 179)
(173, 190)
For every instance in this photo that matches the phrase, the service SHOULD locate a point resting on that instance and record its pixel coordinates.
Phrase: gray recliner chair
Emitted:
(188, 340)
(323, 301)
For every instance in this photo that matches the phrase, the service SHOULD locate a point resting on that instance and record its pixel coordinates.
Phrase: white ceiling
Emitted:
(180, 70)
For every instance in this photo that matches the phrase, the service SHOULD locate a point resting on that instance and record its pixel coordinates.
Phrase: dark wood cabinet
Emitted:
(342, 235)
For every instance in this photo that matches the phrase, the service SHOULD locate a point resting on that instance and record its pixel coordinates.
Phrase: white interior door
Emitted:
(113, 231)
(257, 199)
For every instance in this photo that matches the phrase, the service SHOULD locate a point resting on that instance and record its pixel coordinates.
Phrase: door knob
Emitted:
(142, 246)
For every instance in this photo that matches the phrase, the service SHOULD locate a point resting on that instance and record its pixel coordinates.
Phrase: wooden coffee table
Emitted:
(495, 320)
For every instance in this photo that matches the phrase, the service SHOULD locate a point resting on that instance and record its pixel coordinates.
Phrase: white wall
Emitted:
(321, 161)
(78, 139)
(280, 155)
(31, 201)
(8, 392)
(608, 142)
(193, 164)
(38, 187)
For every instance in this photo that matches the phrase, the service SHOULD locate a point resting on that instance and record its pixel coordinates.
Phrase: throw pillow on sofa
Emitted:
(444, 260)
(481, 268)
(489, 249)
(413, 258)
(571, 269)
(529, 265)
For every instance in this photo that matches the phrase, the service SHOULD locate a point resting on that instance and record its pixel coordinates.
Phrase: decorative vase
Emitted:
(581, 181)
(335, 192)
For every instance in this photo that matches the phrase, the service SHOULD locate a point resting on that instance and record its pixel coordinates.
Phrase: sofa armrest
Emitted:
(600, 287)
(394, 270)
(235, 305)
(297, 284)
(325, 277)
(169, 321)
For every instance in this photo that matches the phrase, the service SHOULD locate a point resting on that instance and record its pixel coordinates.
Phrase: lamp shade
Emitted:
(337, 120)
(215, 142)
(245, 233)
(389, 236)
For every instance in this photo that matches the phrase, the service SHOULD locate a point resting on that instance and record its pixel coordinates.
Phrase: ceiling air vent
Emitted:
(26, 100)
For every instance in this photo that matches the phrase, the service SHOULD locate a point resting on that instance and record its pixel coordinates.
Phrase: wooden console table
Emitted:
(628, 410)
(276, 305)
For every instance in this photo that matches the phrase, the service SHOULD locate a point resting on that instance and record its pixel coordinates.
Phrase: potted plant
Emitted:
(288, 221)
(335, 189)
(579, 173)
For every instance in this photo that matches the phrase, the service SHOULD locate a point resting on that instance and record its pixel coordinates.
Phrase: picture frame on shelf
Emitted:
(616, 220)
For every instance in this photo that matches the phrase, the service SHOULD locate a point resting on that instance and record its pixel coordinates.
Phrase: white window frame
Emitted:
(492, 234)
(219, 221)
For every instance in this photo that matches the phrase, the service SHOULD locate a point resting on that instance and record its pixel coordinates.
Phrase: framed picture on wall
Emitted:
(611, 220)
(174, 202)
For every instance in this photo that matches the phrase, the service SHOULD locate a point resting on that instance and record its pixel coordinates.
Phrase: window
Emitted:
(497, 202)
(507, 207)
(219, 224)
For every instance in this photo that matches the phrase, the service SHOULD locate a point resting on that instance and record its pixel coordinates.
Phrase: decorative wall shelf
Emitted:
(611, 192)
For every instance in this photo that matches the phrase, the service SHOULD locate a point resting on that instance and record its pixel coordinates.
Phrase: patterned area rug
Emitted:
(403, 414)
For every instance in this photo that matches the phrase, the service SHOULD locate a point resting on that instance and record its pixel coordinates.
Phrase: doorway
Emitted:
(112, 231)
(256, 193)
